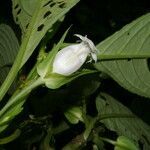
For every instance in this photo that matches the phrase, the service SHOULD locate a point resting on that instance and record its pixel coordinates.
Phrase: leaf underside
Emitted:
(132, 41)
(133, 128)
(9, 47)
(121, 49)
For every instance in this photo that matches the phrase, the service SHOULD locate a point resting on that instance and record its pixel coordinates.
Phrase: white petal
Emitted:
(70, 59)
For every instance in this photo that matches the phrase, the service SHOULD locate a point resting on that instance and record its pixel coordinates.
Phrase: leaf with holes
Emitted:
(23, 11)
(9, 47)
(130, 42)
(131, 127)
(45, 14)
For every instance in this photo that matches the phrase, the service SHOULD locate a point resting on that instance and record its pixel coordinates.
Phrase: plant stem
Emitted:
(11, 137)
(109, 116)
(18, 97)
(12, 74)
(108, 140)
(120, 56)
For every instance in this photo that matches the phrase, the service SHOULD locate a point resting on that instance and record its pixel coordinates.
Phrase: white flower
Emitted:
(71, 58)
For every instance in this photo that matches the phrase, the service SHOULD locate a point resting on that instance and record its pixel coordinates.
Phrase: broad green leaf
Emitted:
(23, 11)
(131, 127)
(9, 47)
(132, 41)
(46, 13)
(132, 74)
(4, 121)
(124, 143)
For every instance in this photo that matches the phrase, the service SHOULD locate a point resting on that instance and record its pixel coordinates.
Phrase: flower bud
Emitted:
(71, 58)
(124, 143)
(74, 115)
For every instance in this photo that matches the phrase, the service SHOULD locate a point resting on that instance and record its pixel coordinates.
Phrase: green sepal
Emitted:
(54, 81)
(74, 115)
(46, 66)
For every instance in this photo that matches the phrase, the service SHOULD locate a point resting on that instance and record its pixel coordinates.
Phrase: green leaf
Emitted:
(133, 75)
(124, 143)
(5, 119)
(117, 118)
(132, 41)
(23, 11)
(46, 13)
(9, 47)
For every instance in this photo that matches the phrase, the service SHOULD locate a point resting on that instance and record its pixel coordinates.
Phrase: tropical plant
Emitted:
(64, 106)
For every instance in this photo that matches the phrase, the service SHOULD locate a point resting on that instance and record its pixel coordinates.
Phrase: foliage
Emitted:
(132, 41)
(44, 110)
